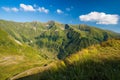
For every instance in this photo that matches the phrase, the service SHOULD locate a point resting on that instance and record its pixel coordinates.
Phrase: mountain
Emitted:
(98, 62)
(53, 37)
(32, 45)
(16, 57)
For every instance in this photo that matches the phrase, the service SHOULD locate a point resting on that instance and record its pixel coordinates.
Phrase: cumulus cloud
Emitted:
(27, 7)
(24, 7)
(59, 11)
(14, 9)
(42, 9)
(100, 18)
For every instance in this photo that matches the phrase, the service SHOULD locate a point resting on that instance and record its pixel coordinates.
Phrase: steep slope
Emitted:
(54, 39)
(23, 32)
(16, 57)
(33, 44)
(99, 62)
(72, 38)
(28, 32)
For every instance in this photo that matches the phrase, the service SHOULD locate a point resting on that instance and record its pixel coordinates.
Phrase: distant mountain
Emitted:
(55, 37)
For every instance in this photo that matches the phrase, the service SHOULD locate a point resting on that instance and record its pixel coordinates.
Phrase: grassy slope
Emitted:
(28, 31)
(100, 62)
(16, 58)
(25, 32)
(54, 39)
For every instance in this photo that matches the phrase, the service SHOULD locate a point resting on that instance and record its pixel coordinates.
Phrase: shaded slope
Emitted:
(100, 62)
(32, 44)
(56, 40)
(72, 39)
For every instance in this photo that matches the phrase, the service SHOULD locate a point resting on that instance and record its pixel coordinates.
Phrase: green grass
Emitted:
(16, 58)
(55, 37)
(98, 62)
(33, 44)
(13, 62)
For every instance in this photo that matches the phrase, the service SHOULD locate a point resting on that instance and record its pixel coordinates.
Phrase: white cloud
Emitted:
(42, 9)
(14, 9)
(100, 18)
(59, 11)
(6, 8)
(27, 7)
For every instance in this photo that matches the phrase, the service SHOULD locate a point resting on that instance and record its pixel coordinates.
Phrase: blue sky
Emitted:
(101, 13)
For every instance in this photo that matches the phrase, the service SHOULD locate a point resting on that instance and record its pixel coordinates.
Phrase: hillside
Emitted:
(99, 62)
(16, 57)
(59, 39)
(52, 37)
(25, 46)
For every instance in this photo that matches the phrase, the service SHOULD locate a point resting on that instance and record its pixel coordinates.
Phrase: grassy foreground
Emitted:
(99, 62)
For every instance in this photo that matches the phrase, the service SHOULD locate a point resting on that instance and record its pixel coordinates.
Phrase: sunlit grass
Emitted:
(94, 63)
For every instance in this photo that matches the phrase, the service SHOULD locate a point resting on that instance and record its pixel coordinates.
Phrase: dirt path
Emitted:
(32, 71)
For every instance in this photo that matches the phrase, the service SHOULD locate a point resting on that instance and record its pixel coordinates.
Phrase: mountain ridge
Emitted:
(89, 64)
(56, 36)
(33, 44)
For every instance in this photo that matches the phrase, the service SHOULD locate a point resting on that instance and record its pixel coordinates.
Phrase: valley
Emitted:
(55, 51)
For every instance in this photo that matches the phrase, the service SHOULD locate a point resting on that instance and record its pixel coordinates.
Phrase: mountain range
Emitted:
(55, 51)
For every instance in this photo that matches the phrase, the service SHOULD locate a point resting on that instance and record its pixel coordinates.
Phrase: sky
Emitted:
(103, 14)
